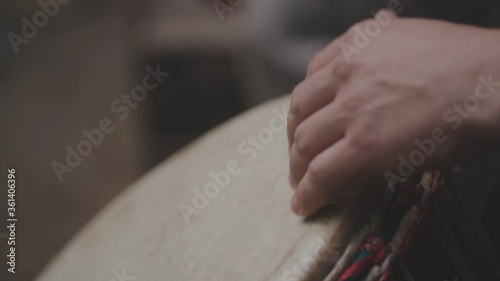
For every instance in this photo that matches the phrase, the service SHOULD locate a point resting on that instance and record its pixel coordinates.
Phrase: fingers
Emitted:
(322, 160)
(325, 56)
(314, 135)
(313, 94)
(336, 168)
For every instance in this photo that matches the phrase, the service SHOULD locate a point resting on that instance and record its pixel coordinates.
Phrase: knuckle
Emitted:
(318, 172)
(362, 136)
(315, 62)
(356, 95)
(342, 68)
(359, 25)
(298, 88)
(301, 144)
(353, 29)
(350, 100)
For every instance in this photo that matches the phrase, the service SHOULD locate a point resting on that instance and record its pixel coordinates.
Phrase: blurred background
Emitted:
(223, 57)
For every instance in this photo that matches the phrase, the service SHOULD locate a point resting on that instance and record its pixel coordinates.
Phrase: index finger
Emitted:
(335, 169)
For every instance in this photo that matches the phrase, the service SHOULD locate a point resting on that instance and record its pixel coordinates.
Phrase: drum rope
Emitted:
(387, 243)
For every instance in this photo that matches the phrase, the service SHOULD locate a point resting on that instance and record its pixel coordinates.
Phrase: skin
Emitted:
(353, 116)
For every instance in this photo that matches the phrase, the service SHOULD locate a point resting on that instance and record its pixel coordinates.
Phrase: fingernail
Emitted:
(295, 205)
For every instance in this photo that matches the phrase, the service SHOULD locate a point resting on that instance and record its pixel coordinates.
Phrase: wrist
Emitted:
(485, 122)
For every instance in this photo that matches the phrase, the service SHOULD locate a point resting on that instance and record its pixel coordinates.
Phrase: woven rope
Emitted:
(372, 253)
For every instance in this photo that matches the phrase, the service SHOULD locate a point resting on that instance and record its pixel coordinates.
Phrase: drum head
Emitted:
(216, 210)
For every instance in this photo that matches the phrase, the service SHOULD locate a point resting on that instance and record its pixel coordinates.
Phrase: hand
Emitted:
(403, 103)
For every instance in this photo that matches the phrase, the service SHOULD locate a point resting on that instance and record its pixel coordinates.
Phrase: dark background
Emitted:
(64, 80)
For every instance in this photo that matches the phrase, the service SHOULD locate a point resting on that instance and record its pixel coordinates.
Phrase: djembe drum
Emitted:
(218, 210)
